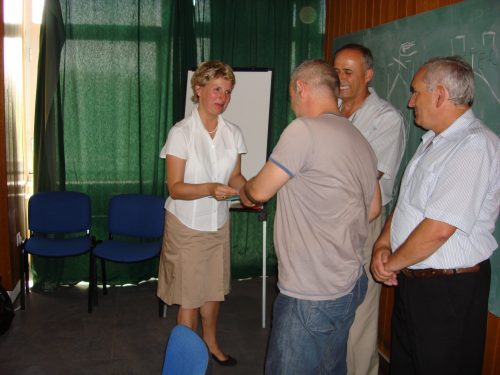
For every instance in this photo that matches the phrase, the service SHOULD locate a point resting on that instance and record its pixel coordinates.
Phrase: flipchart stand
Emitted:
(262, 217)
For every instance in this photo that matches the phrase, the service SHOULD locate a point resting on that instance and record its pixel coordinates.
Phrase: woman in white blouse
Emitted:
(203, 159)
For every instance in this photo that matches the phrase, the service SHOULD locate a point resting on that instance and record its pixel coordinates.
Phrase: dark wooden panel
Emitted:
(5, 261)
(355, 15)
(360, 19)
(331, 28)
(341, 9)
(11, 169)
(370, 6)
(384, 320)
(389, 10)
(377, 19)
(492, 351)
(401, 11)
(346, 16)
(411, 8)
(350, 16)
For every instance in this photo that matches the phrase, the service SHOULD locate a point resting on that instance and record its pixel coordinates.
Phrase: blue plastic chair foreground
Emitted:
(186, 353)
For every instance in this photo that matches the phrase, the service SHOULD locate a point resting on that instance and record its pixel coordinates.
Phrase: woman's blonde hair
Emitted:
(209, 70)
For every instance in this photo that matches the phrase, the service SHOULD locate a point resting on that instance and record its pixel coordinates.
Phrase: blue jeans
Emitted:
(310, 337)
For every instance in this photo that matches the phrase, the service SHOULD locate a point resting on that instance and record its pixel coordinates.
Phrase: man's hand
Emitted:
(380, 257)
(244, 199)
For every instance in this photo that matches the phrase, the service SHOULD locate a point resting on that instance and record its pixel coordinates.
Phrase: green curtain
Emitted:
(123, 83)
(49, 161)
(115, 81)
(48, 146)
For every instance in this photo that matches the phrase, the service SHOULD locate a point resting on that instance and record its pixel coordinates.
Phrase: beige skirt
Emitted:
(194, 265)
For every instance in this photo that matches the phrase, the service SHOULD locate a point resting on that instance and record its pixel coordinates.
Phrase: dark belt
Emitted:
(431, 272)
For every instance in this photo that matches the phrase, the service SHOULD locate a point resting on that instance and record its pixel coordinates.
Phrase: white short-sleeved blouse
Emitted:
(207, 160)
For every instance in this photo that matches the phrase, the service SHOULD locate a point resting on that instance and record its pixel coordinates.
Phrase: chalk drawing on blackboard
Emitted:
(492, 34)
(478, 58)
(404, 47)
(459, 38)
(398, 61)
(493, 93)
(402, 68)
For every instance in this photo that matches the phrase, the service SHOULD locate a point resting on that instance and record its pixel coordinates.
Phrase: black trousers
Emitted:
(439, 324)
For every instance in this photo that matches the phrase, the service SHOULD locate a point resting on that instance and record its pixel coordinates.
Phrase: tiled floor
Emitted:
(124, 335)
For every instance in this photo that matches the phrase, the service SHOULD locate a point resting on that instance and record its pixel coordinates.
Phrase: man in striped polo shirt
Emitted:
(437, 244)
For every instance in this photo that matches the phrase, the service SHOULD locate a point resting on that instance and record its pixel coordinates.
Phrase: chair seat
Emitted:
(58, 247)
(186, 353)
(127, 252)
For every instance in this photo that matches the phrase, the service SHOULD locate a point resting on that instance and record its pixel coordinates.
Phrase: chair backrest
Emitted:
(136, 215)
(186, 353)
(59, 212)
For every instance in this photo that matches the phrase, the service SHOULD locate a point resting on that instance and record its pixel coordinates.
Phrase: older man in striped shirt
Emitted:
(437, 244)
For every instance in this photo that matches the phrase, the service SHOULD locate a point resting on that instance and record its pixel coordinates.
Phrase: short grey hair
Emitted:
(455, 74)
(365, 52)
(317, 73)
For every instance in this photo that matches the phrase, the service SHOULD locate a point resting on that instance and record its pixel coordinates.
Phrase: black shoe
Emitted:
(230, 361)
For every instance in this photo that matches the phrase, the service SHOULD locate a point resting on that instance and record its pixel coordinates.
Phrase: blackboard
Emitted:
(468, 29)
(249, 109)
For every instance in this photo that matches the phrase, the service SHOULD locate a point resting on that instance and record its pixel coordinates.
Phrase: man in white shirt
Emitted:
(383, 127)
(437, 244)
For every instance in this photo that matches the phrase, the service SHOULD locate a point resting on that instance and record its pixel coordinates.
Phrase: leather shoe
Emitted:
(230, 361)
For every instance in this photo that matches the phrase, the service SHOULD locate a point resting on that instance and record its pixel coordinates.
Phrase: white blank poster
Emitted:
(249, 109)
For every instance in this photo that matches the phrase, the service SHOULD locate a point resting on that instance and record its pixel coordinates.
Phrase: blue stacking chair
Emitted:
(135, 227)
(186, 353)
(59, 225)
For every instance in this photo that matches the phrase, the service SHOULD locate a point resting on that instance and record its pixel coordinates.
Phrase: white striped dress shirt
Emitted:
(454, 178)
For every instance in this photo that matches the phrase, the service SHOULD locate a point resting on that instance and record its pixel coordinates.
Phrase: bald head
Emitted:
(314, 88)
(319, 75)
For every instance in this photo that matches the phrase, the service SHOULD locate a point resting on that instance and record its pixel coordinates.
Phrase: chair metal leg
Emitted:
(23, 290)
(91, 283)
(26, 273)
(104, 281)
(162, 309)
(95, 291)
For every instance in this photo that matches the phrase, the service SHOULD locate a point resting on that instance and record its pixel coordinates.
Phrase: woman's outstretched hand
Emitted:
(221, 191)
